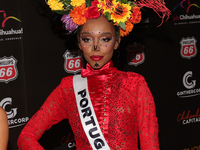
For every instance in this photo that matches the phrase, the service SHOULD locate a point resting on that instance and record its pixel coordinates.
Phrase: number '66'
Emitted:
(7, 72)
(73, 63)
(190, 51)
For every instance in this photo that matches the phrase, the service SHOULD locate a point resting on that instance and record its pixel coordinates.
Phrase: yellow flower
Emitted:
(106, 5)
(77, 2)
(55, 4)
(101, 5)
(121, 13)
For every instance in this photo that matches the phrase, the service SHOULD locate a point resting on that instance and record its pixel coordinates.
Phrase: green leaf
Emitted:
(124, 1)
(61, 12)
(107, 15)
(66, 2)
(122, 25)
(130, 3)
(133, 4)
(88, 3)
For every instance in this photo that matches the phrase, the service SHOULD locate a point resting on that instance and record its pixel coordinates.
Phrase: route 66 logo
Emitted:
(8, 69)
(73, 61)
(188, 47)
(135, 54)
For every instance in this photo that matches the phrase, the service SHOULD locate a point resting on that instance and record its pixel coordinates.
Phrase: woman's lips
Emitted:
(96, 57)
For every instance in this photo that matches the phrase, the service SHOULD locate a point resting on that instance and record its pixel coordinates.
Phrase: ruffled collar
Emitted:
(106, 69)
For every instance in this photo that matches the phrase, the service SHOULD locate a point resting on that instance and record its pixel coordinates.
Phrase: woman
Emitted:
(3, 129)
(106, 108)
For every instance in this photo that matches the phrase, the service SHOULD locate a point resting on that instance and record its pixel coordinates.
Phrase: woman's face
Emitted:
(97, 40)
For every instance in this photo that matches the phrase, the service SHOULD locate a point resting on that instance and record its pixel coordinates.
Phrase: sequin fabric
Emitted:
(123, 104)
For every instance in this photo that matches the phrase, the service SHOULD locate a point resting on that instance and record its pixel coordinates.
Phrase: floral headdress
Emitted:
(123, 13)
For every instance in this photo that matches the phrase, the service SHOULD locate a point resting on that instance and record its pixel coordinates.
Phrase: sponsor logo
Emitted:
(135, 54)
(193, 148)
(188, 17)
(187, 8)
(189, 83)
(6, 18)
(9, 34)
(186, 117)
(12, 120)
(8, 69)
(68, 139)
(73, 61)
(188, 47)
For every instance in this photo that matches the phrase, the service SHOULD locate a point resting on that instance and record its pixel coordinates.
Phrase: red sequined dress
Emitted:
(123, 105)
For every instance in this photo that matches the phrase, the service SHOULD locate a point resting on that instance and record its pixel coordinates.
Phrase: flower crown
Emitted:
(123, 13)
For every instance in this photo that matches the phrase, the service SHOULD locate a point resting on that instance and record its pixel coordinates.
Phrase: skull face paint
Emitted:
(97, 40)
(87, 38)
(96, 65)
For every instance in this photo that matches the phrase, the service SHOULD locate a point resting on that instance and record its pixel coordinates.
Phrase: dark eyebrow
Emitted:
(102, 33)
(106, 33)
(85, 33)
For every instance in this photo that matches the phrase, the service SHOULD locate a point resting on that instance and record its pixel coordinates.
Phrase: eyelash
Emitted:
(106, 39)
(86, 40)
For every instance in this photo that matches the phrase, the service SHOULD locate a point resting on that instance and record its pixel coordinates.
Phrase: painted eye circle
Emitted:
(86, 40)
(106, 39)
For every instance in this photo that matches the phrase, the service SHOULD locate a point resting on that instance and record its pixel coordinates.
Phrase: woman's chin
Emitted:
(96, 65)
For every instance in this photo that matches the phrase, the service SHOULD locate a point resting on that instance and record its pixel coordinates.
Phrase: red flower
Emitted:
(92, 12)
(94, 3)
(136, 15)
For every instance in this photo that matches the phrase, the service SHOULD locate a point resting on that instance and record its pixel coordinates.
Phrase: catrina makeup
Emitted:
(104, 39)
(97, 40)
(96, 65)
(95, 47)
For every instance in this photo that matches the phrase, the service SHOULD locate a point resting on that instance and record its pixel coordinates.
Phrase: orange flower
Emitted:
(129, 28)
(136, 15)
(78, 14)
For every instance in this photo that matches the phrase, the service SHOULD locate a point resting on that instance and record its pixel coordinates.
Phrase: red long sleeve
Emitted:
(51, 112)
(122, 103)
(147, 120)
